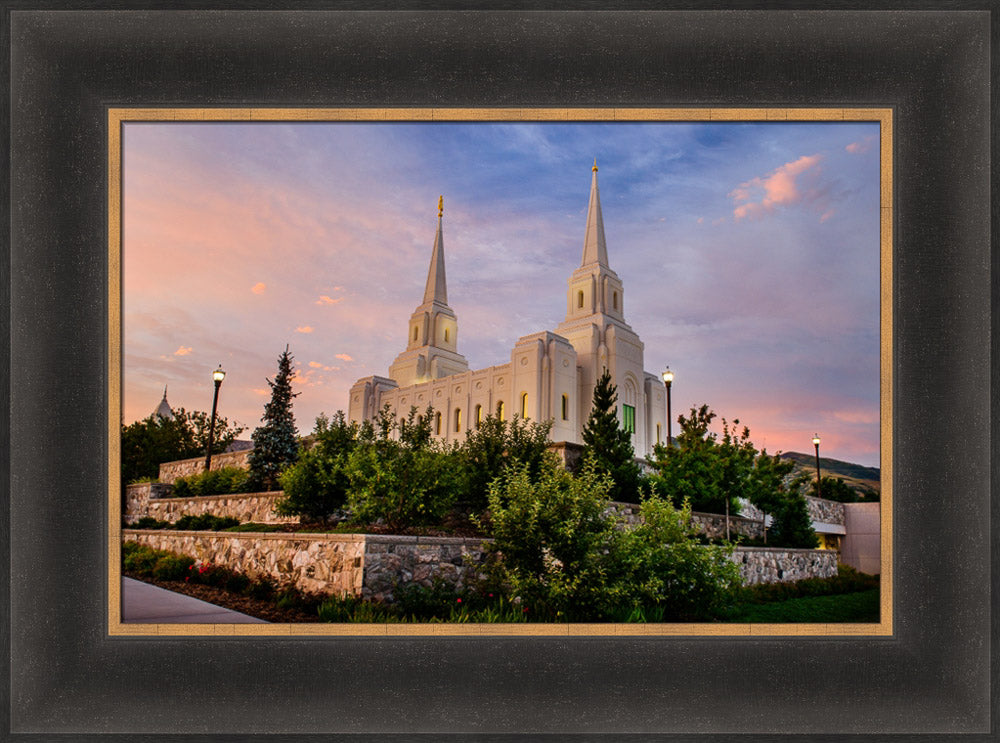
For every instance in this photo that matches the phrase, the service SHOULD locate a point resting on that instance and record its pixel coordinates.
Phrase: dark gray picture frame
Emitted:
(931, 680)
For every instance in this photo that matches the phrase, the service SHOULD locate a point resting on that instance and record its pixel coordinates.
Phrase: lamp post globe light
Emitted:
(217, 376)
(668, 378)
(819, 492)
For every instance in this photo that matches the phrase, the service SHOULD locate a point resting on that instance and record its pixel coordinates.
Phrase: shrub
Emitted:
(148, 522)
(557, 548)
(400, 476)
(254, 527)
(316, 485)
(496, 445)
(172, 567)
(139, 559)
(237, 583)
(666, 570)
(205, 522)
(550, 538)
(223, 481)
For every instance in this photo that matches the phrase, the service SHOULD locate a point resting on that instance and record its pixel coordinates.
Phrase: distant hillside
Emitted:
(856, 475)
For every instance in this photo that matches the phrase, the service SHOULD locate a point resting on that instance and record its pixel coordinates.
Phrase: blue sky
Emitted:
(749, 255)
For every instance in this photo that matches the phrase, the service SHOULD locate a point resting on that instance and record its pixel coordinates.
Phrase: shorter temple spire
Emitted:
(595, 249)
(163, 409)
(437, 288)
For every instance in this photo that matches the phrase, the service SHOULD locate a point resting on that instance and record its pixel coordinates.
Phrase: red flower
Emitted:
(459, 600)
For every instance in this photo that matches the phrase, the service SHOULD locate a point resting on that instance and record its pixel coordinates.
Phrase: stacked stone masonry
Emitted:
(825, 511)
(170, 471)
(375, 566)
(147, 499)
(711, 524)
(769, 565)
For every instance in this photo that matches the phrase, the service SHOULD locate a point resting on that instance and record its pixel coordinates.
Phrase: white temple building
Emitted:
(550, 375)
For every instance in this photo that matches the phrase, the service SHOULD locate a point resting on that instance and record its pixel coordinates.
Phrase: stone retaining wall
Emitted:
(825, 511)
(376, 566)
(370, 566)
(712, 525)
(255, 507)
(771, 565)
(392, 562)
(137, 498)
(170, 471)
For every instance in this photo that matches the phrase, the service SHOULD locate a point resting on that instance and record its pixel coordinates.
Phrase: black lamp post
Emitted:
(819, 491)
(668, 378)
(218, 375)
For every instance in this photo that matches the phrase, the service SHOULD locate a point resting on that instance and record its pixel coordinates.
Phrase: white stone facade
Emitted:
(550, 376)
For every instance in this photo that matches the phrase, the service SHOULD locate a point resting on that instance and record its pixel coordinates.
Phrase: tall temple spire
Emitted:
(437, 289)
(432, 335)
(595, 249)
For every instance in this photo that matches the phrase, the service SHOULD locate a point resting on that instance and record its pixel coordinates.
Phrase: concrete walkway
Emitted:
(142, 602)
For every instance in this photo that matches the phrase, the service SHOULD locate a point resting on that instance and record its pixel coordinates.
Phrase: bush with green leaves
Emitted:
(205, 522)
(400, 476)
(496, 444)
(711, 472)
(147, 443)
(139, 559)
(172, 567)
(558, 547)
(669, 572)
(223, 481)
(316, 486)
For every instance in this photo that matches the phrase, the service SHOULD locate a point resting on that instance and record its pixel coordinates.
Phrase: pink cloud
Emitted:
(259, 288)
(861, 146)
(343, 357)
(259, 391)
(778, 188)
(862, 416)
(826, 215)
(315, 365)
(324, 299)
(304, 329)
(183, 351)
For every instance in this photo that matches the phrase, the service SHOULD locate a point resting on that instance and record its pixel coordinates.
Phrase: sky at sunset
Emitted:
(749, 255)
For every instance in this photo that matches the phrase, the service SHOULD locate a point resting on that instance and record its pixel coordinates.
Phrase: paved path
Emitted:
(142, 602)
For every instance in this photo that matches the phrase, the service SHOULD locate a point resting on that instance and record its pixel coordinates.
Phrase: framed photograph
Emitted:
(701, 198)
(77, 75)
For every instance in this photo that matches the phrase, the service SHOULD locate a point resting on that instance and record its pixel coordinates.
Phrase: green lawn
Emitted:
(862, 606)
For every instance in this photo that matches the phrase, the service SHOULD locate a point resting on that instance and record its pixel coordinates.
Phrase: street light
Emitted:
(819, 491)
(218, 375)
(668, 378)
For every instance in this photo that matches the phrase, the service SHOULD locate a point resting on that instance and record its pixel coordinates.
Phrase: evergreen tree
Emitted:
(609, 445)
(275, 444)
(792, 526)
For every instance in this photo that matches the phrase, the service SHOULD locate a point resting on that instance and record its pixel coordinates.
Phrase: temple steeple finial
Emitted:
(437, 287)
(595, 249)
